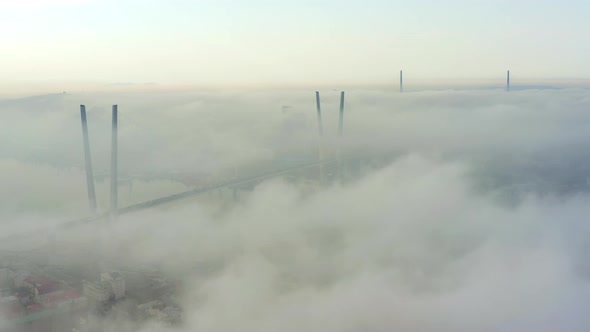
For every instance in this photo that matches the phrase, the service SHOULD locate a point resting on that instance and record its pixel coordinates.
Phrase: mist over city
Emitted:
(294, 166)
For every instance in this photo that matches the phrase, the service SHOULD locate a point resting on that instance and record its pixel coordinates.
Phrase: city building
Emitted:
(62, 299)
(160, 311)
(152, 305)
(115, 279)
(97, 291)
(40, 287)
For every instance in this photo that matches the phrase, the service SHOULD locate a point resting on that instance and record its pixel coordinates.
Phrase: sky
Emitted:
(290, 42)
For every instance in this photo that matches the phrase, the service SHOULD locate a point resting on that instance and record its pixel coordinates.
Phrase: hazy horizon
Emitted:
(30, 89)
(290, 42)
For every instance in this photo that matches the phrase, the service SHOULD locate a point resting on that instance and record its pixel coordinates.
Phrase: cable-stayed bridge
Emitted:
(321, 161)
(170, 199)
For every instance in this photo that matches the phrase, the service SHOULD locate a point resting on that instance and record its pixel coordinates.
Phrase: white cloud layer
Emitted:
(475, 222)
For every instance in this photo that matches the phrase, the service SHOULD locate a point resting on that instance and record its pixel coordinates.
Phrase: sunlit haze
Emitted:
(302, 42)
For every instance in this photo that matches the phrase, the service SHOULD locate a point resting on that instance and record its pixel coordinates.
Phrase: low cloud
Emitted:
(465, 213)
(409, 247)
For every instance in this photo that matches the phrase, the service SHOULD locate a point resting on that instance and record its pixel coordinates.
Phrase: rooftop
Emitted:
(58, 297)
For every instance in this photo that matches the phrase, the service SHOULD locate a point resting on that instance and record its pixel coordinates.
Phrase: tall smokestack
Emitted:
(401, 81)
(341, 123)
(88, 161)
(319, 108)
(114, 165)
(508, 80)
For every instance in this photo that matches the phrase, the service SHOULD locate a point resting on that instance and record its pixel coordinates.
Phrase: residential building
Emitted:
(115, 279)
(97, 291)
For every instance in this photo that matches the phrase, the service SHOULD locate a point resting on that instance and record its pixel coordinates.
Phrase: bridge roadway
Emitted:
(169, 199)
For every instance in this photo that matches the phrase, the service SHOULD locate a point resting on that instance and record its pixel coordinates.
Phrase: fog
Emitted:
(466, 212)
